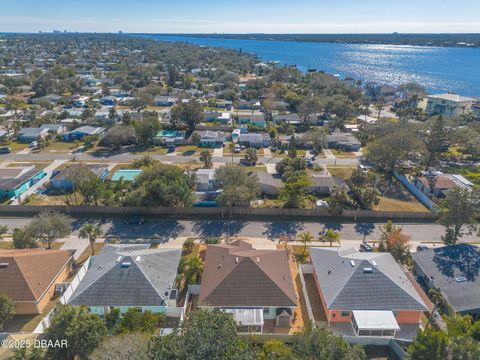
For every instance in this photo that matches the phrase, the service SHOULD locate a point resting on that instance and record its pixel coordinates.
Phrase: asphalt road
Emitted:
(165, 230)
(128, 157)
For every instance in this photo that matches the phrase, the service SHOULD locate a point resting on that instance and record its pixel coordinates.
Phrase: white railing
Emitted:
(308, 270)
(65, 297)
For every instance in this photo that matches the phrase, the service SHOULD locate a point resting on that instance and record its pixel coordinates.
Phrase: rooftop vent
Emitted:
(236, 260)
(119, 258)
(367, 270)
(125, 265)
(458, 279)
(137, 259)
(352, 263)
(258, 259)
(3, 265)
(374, 263)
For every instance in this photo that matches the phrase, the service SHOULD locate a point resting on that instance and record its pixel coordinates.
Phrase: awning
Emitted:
(247, 317)
(375, 320)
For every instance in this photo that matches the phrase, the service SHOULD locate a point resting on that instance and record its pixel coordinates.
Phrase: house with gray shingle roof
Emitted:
(366, 294)
(455, 271)
(125, 276)
(211, 139)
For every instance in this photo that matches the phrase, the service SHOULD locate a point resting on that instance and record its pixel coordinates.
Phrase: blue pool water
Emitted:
(437, 69)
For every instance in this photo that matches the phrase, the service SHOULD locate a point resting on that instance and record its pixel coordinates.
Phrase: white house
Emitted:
(449, 105)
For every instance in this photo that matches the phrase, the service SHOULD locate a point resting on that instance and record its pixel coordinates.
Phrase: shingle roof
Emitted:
(446, 264)
(237, 275)
(254, 137)
(29, 132)
(144, 282)
(95, 169)
(10, 178)
(90, 130)
(29, 273)
(212, 135)
(347, 287)
(441, 182)
(452, 97)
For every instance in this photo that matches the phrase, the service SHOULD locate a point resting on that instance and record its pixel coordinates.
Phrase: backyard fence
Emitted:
(236, 213)
(415, 192)
(65, 296)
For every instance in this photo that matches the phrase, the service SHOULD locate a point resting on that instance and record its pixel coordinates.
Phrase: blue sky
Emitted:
(246, 16)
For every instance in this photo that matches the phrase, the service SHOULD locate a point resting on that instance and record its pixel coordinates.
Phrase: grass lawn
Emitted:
(345, 172)
(187, 150)
(40, 199)
(388, 204)
(154, 151)
(8, 245)
(28, 323)
(60, 146)
(342, 154)
(16, 146)
(97, 247)
(454, 150)
(38, 165)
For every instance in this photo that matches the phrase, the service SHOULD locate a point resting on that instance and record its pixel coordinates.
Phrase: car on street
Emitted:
(135, 220)
(365, 247)
(5, 150)
(237, 149)
(422, 247)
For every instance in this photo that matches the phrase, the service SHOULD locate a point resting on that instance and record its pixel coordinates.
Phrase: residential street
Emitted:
(127, 157)
(167, 230)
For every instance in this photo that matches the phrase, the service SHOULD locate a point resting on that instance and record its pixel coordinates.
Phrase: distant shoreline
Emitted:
(431, 40)
(453, 40)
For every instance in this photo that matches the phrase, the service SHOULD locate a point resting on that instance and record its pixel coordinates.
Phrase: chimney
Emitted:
(236, 260)
(258, 259)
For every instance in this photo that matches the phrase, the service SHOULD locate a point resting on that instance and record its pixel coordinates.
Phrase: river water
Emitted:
(438, 69)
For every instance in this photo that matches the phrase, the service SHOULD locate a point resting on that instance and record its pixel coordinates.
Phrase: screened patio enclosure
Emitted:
(374, 323)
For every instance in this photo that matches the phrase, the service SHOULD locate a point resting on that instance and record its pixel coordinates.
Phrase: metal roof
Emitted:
(375, 320)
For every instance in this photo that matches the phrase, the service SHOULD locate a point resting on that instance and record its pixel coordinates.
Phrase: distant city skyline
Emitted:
(248, 16)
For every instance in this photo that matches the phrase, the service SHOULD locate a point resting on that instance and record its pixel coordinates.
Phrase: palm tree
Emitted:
(188, 245)
(251, 156)
(90, 232)
(206, 158)
(331, 236)
(193, 270)
(231, 147)
(305, 237)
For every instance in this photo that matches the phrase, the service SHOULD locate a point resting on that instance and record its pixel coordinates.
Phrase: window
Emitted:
(266, 311)
(345, 313)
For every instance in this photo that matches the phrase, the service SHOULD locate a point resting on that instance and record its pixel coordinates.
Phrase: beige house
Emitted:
(29, 276)
(255, 286)
(449, 105)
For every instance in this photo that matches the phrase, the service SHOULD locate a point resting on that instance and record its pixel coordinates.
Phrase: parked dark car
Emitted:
(135, 220)
(422, 247)
(5, 150)
(246, 163)
(364, 247)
